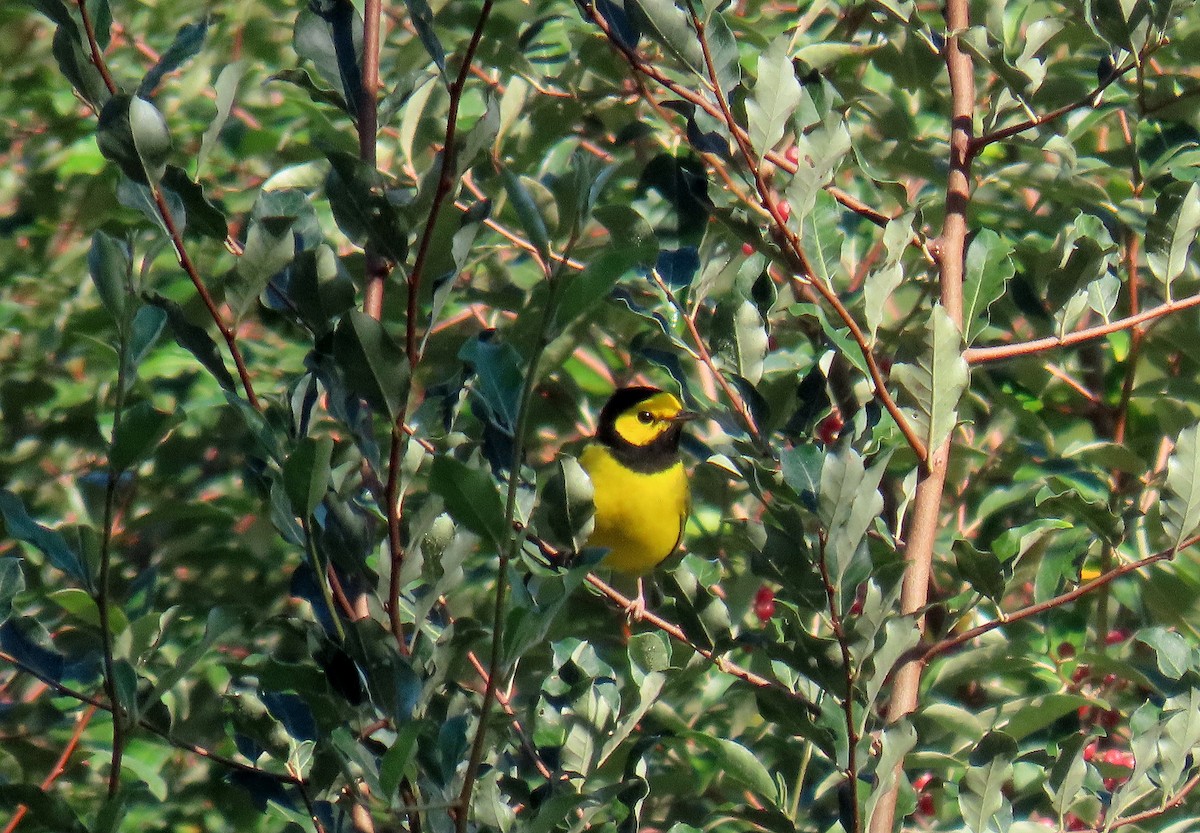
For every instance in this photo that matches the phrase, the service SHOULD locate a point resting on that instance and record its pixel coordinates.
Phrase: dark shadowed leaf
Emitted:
(471, 497)
(18, 525)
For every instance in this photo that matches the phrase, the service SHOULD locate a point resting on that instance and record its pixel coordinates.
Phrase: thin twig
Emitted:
(979, 355)
(722, 664)
(852, 736)
(702, 352)
(59, 767)
(1059, 600)
(145, 723)
(444, 184)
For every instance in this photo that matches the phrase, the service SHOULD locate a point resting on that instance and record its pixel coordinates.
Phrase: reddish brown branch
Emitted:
(445, 182)
(927, 504)
(59, 767)
(1059, 600)
(979, 355)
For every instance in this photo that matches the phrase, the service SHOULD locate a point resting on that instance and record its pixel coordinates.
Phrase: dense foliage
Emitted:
(308, 308)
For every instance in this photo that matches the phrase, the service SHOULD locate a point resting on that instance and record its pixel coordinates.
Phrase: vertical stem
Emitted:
(515, 542)
(922, 536)
(368, 128)
(103, 581)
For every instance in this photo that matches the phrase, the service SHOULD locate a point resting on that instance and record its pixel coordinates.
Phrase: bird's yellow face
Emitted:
(646, 421)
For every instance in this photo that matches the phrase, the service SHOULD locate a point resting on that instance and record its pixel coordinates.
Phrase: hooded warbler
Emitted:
(640, 488)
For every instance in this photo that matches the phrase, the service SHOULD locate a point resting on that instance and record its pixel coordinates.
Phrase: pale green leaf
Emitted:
(937, 382)
(1181, 509)
(775, 97)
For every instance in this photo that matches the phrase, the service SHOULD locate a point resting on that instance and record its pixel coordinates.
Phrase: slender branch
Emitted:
(514, 544)
(979, 355)
(59, 767)
(368, 127)
(1041, 607)
(1089, 100)
(103, 581)
(445, 181)
(227, 332)
(702, 351)
(1146, 815)
(922, 539)
(852, 736)
(176, 238)
(97, 56)
(145, 723)
(722, 664)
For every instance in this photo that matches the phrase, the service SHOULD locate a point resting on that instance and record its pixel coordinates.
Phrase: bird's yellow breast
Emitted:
(639, 515)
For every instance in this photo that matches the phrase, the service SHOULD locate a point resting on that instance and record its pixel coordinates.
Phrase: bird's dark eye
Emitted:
(645, 417)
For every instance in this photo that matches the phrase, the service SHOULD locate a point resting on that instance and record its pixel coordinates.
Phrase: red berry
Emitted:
(1066, 650)
(747, 248)
(1115, 635)
(1110, 718)
(764, 604)
(785, 209)
(1089, 751)
(922, 781)
(1081, 673)
(792, 155)
(828, 428)
(925, 805)
(1074, 822)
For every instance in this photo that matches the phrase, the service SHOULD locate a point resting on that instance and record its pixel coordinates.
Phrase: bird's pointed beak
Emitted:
(685, 416)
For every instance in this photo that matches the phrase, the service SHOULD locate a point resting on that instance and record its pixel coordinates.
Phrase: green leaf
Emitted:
(218, 623)
(822, 237)
(739, 763)
(18, 525)
(802, 466)
(1171, 651)
(740, 334)
(498, 378)
(896, 741)
(374, 365)
(981, 795)
(147, 326)
(82, 605)
(470, 496)
(188, 41)
(203, 217)
(775, 96)
(1181, 509)
(982, 570)
(1172, 230)
(194, 339)
(936, 384)
(270, 246)
(989, 268)
(306, 474)
(359, 198)
(133, 134)
(1066, 777)
(670, 26)
(111, 270)
(849, 504)
(142, 428)
(530, 216)
(75, 61)
(566, 510)
(226, 90)
(12, 582)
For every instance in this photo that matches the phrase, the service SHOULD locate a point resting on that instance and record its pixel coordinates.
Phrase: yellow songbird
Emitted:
(640, 487)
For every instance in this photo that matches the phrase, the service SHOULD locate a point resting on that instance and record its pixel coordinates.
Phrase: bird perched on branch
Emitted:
(640, 487)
